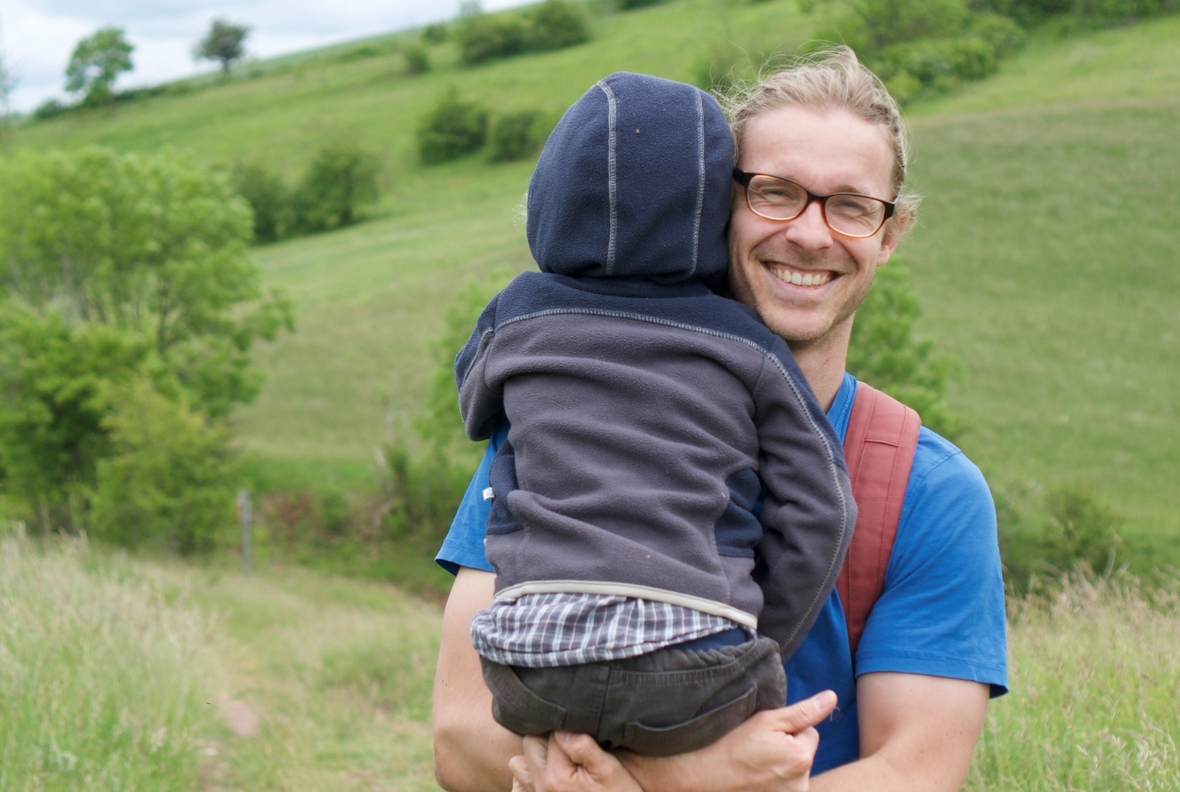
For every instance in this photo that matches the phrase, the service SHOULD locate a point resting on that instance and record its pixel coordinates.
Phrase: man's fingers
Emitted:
(522, 776)
(583, 750)
(535, 761)
(805, 713)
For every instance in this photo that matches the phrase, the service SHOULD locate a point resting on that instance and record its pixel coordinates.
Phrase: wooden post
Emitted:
(245, 512)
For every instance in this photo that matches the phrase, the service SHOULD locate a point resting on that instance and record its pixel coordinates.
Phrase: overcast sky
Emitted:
(38, 36)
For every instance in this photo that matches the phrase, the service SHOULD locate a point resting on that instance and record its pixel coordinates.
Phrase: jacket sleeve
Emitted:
(807, 509)
(481, 408)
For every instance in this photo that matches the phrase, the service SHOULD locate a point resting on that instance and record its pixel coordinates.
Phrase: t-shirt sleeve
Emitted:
(942, 610)
(463, 545)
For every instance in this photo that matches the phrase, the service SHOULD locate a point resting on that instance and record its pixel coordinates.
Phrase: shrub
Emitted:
(436, 33)
(50, 108)
(453, 128)
(515, 136)
(485, 37)
(1058, 531)
(57, 382)
(268, 197)
(417, 57)
(341, 180)
(1003, 34)
(884, 353)
(167, 480)
(556, 24)
(627, 5)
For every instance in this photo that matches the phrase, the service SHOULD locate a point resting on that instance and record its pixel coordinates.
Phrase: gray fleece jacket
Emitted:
(663, 442)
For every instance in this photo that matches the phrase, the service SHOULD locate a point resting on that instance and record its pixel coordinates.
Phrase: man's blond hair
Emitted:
(832, 79)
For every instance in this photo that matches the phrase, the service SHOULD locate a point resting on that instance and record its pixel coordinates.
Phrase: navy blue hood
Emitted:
(635, 182)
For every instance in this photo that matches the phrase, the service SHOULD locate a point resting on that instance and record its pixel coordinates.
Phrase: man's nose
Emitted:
(809, 230)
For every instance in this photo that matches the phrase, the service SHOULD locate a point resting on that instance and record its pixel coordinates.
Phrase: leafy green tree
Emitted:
(485, 37)
(885, 353)
(556, 24)
(340, 180)
(97, 62)
(154, 245)
(56, 383)
(7, 84)
(417, 57)
(515, 136)
(268, 196)
(452, 128)
(225, 42)
(167, 478)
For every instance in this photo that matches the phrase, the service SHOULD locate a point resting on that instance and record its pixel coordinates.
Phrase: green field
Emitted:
(134, 675)
(1045, 259)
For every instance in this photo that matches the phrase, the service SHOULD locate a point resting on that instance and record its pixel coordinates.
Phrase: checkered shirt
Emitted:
(557, 629)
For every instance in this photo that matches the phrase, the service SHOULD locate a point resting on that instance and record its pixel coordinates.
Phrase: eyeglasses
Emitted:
(848, 214)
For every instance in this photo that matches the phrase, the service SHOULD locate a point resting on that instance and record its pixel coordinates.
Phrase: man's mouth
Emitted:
(799, 278)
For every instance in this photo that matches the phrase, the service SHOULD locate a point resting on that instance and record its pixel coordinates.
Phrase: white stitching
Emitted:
(612, 186)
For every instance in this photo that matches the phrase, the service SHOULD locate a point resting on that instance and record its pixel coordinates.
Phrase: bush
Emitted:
(57, 382)
(938, 64)
(417, 58)
(167, 480)
(50, 108)
(884, 353)
(341, 180)
(436, 33)
(268, 197)
(556, 24)
(1003, 35)
(627, 5)
(515, 136)
(1059, 531)
(453, 128)
(486, 37)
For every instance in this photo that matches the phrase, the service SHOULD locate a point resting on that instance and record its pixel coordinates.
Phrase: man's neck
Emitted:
(822, 362)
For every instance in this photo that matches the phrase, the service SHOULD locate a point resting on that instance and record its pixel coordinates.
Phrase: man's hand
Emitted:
(568, 763)
(770, 752)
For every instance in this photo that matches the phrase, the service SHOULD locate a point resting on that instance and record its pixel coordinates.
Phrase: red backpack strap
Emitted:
(879, 449)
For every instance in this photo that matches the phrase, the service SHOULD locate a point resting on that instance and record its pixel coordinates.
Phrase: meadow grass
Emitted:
(1095, 679)
(118, 673)
(103, 684)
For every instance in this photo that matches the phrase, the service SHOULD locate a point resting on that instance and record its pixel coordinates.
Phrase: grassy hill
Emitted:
(1046, 257)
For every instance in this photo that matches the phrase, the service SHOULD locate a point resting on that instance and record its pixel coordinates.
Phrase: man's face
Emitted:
(804, 280)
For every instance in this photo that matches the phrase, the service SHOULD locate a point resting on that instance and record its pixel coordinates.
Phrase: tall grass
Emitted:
(102, 683)
(1095, 679)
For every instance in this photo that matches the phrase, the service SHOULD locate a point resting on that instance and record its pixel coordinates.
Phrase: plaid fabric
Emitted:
(547, 630)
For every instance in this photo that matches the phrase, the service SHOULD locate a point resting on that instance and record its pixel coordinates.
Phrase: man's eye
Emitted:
(850, 206)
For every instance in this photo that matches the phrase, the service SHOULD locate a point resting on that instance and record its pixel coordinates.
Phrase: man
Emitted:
(908, 708)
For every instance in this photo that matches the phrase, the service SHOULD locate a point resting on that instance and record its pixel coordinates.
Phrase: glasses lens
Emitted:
(854, 215)
(775, 198)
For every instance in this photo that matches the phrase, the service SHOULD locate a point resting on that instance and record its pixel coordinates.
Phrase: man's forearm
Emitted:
(471, 750)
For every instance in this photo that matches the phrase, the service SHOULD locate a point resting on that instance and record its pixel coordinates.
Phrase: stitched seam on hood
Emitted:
(696, 229)
(611, 182)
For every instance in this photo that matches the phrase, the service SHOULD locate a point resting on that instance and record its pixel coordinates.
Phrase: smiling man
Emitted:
(819, 204)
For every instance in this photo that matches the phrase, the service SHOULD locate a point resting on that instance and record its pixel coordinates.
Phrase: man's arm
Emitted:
(471, 750)
(917, 733)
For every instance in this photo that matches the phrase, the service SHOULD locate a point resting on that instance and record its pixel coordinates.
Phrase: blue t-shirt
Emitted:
(942, 610)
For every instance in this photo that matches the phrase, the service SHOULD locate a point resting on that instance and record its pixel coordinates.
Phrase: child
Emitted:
(648, 419)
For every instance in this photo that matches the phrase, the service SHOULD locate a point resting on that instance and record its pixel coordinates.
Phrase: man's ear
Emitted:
(894, 232)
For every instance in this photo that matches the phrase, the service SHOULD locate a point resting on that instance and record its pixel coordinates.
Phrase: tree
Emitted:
(341, 179)
(96, 63)
(153, 245)
(128, 308)
(7, 84)
(224, 42)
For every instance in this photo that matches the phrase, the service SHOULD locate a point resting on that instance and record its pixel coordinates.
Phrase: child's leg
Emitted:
(669, 701)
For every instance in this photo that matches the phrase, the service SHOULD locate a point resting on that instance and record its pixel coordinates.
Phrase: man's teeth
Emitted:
(803, 279)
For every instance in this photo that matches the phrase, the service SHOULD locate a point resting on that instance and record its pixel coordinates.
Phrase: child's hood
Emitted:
(635, 182)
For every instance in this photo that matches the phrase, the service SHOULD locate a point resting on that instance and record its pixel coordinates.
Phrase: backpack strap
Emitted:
(879, 449)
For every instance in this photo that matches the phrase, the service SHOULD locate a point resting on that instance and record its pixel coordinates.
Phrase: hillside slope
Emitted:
(1046, 257)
